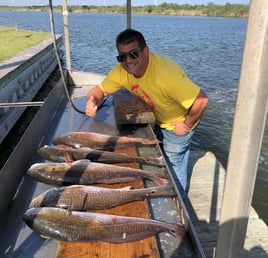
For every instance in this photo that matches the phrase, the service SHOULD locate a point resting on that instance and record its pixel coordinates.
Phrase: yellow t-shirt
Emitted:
(164, 87)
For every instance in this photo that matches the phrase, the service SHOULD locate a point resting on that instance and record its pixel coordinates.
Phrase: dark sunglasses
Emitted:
(133, 54)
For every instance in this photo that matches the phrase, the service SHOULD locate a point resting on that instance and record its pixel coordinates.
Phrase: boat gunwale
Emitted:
(11, 173)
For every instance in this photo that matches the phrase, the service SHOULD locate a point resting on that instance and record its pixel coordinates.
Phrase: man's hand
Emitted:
(181, 128)
(91, 106)
(94, 98)
(194, 114)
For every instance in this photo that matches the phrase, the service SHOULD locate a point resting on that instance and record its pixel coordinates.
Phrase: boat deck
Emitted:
(205, 195)
(18, 240)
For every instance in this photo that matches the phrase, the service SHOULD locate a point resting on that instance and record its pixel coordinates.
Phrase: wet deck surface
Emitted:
(205, 194)
(20, 241)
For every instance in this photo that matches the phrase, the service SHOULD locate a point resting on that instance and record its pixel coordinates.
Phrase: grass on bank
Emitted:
(13, 41)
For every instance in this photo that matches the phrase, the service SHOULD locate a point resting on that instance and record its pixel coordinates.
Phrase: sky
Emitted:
(119, 2)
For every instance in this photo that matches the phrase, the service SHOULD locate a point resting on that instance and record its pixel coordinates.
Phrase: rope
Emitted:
(58, 58)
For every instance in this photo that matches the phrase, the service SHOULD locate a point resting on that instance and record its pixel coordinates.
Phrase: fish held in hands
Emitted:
(100, 141)
(84, 172)
(82, 198)
(57, 154)
(79, 226)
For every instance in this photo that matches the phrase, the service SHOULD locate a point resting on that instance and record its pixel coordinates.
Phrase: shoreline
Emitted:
(211, 10)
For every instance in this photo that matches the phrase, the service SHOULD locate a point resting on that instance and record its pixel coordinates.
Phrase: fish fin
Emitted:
(160, 161)
(67, 157)
(161, 180)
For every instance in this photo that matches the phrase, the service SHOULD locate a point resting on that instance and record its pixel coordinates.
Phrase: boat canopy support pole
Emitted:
(65, 84)
(248, 129)
(22, 104)
(128, 14)
(66, 34)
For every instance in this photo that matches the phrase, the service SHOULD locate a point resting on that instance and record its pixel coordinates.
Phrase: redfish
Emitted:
(100, 141)
(84, 172)
(77, 226)
(82, 198)
(57, 154)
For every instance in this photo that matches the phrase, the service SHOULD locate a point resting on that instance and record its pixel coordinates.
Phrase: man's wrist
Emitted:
(187, 124)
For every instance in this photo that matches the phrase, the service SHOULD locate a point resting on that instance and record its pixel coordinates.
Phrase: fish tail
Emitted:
(166, 190)
(160, 180)
(151, 141)
(156, 161)
(178, 231)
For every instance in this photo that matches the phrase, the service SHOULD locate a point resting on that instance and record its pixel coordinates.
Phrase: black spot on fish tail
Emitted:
(152, 192)
(164, 190)
(177, 231)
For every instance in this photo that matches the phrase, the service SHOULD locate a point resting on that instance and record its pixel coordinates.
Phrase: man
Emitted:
(176, 101)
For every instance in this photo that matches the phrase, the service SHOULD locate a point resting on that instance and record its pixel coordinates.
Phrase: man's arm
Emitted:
(94, 99)
(194, 114)
(197, 109)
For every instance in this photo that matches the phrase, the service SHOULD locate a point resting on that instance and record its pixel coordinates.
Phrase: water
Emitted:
(209, 49)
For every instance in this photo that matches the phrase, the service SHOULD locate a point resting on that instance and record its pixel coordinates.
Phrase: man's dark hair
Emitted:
(128, 36)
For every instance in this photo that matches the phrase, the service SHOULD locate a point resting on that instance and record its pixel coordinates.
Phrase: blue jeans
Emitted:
(176, 150)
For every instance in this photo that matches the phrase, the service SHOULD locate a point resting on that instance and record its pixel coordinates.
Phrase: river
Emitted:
(209, 49)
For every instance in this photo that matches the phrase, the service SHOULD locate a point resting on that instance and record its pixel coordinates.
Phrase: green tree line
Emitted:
(211, 9)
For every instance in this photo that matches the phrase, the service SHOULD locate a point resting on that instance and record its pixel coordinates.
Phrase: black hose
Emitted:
(58, 58)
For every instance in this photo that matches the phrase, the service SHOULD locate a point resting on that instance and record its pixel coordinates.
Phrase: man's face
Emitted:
(134, 60)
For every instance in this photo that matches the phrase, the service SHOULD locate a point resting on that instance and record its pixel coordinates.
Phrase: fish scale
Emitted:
(85, 172)
(81, 197)
(57, 154)
(100, 141)
(93, 227)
